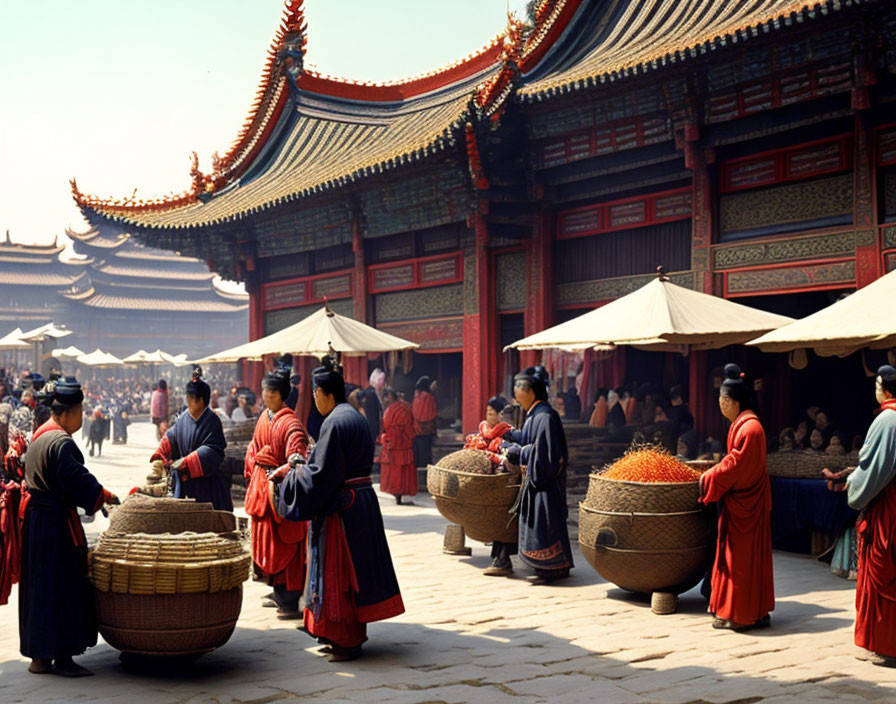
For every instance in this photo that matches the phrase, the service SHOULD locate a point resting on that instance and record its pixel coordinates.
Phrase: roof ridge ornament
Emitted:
(292, 38)
(661, 273)
(492, 95)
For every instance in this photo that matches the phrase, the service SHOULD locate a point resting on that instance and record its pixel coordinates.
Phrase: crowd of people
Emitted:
(317, 529)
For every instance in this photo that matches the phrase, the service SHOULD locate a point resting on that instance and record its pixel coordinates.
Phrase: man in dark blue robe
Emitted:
(540, 446)
(351, 581)
(56, 611)
(194, 449)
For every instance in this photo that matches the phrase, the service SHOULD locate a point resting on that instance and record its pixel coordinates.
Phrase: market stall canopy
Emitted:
(98, 358)
(45, 331)
(14, 341)
(862, 319)
(157, 357)
(313, 337)
(659, 316)
(70, 352)
(178, 360)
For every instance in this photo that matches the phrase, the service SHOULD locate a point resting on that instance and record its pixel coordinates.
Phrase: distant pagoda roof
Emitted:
(36, 265)
(110, 296)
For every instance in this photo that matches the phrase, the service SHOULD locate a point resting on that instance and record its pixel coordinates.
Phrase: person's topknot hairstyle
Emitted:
(736, 386)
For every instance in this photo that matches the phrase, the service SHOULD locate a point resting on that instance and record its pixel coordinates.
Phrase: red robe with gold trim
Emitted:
(398, 471)
(278, 545)
(743, 588)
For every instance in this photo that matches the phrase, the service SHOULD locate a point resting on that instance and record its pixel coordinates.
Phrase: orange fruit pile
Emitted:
(648, 464)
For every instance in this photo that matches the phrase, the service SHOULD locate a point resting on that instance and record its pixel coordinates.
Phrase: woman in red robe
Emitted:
(424, 410)
(871, 489)
(743, 590)
(398, 471)
(278, 545)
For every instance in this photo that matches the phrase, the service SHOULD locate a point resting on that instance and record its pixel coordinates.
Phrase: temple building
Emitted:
(31, 277)
(120, 296)
(746, 147)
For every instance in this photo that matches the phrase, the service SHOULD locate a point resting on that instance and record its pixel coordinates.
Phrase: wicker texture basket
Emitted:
(469, 461)
(646, 537)
(806, 464)
(477, 502)
(147, 514)
(185, 563)
(183, 624)
(640, 497)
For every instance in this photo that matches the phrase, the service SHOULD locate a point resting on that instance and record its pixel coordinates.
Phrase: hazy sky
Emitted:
(118, 93)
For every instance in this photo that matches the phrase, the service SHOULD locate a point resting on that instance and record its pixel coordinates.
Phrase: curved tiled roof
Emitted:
(325, 132)
(325, 142)
(129, 298)
(617, 38)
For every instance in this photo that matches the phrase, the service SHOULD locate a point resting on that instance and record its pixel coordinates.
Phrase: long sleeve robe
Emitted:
(200, 443)
(351, 580)
(544, 538)
(277, 544)
(872, 489)
(398, 471)
(743, 589)
(56, 612)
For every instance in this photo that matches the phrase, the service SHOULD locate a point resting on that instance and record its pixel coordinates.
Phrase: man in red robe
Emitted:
(398, 471)
(743, 589)
(278, 545)
(871, 489)
(424, 410)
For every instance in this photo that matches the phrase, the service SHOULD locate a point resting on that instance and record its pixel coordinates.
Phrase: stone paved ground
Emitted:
(468, 638)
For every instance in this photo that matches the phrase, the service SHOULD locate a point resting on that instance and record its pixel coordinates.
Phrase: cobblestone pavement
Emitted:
(469, 638)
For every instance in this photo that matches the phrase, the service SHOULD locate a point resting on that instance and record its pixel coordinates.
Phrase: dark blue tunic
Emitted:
(544, 538)
(56, 612)
(205, 437)
(344, 452)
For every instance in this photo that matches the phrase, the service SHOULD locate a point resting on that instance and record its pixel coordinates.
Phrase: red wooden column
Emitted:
(539, 282)
(356, 367)
(479, 355)
(865, 219)
(698, 160)
(868, 258)
(253, 371)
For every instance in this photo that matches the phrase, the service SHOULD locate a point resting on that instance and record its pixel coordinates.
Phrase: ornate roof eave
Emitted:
(801, 12)
(284, 71)
(448, 139)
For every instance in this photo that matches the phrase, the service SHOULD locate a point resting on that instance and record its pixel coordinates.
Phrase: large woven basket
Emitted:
(806, 464)
(185, 563)
(478, 502)
(642, 497)
(161, 624)
(646, 537)
(148, 514)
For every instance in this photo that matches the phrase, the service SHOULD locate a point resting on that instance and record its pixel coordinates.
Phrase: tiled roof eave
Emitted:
(524, 95)
(448, 138)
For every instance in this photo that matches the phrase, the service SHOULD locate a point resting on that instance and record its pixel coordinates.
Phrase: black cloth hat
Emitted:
(67, 391)
(197, 386)
(538, 377)
(498, 403)
(887, 376)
